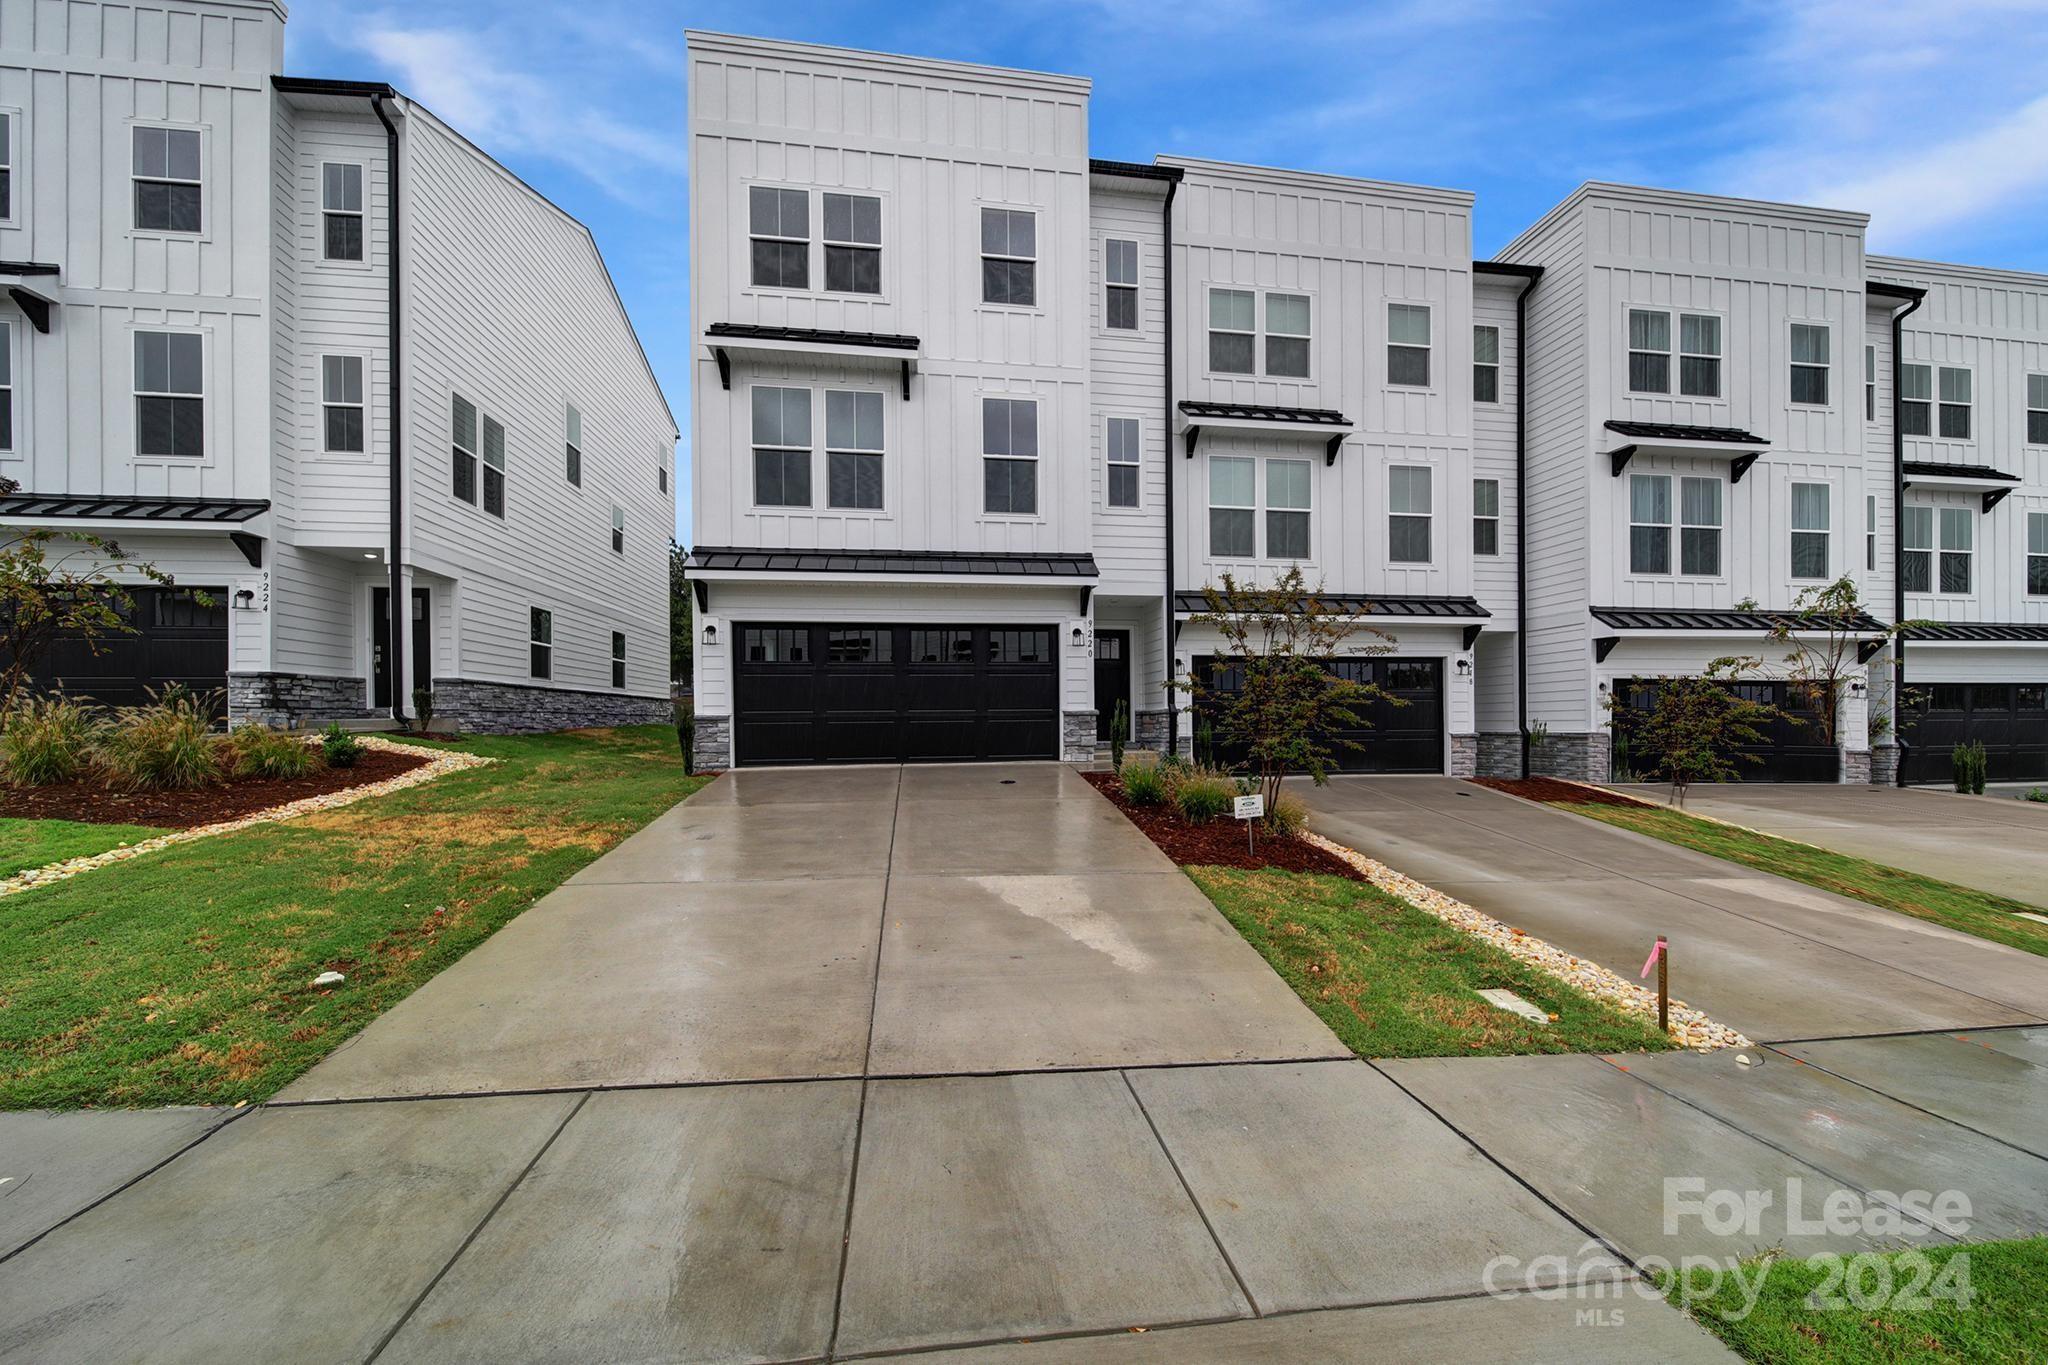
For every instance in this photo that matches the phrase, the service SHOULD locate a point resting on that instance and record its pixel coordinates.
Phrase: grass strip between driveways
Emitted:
(1392, 981)
(185, 976)
(1958, 907)
(2004, 1319)
(26, 844)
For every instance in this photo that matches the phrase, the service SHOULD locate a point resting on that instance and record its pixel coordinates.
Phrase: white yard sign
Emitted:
(1250, 807)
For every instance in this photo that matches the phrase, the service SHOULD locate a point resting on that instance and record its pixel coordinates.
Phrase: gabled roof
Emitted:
(749, 331)
(893, 562)
(1729, 622)
(1252, 412)
(1978, 631)
(67, 506)
(1678, 431)
(1929, 469)
(1440, 608)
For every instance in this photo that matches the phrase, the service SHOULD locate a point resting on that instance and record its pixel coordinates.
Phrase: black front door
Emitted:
(1112, 682)
(380, 642)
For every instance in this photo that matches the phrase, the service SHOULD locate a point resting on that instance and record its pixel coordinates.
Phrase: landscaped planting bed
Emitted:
(1220, 842)
(92, 801)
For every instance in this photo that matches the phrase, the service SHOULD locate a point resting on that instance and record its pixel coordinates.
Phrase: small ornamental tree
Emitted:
(1277, 642)
(1829, 639)
(1695, 726)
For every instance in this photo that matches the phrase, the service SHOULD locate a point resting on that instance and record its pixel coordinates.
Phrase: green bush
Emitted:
(1969, 762)
(48, 739)
(257, 750)
(162, 744)
(1144, 784)
(1119, 722)
(2038, 794)
(1286, 815)
(423, 707)
(340, 748)
(1203, 796)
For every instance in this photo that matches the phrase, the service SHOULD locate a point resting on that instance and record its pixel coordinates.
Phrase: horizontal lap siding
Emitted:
(1128, 376)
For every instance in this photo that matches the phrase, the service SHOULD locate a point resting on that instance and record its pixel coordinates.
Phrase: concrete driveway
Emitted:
(1993, 844)
(821, 1063)
(1775, 959)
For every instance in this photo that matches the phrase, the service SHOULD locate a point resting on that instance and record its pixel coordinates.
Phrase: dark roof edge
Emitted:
(1515, 268)
(1938, 469)
(1885, 289)
(1197, 407)
(29, 268)
(750, 331)
(1469, 608)
(1976, 632)
(320, 85)
(1083, 566)
(1136, 170)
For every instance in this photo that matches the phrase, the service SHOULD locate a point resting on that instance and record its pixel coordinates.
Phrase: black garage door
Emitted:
(2009, 719)
(883, 694)
(1394, 739)
(176, 639)
(1795, 748)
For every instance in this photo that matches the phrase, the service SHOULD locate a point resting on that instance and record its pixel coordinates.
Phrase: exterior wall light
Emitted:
(710, 632)
(1464, 668)
(1077, 637)
(1856, 687)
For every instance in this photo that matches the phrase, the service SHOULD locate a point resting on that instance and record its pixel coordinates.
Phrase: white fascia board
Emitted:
(1320, 431)
(1959, 482)
(773, 347)
(1674, 446)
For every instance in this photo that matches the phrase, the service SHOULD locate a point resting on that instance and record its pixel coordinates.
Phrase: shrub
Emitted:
(162, 744)
(340, 748)
(1119, 722)
(1969, 762)
(1144, 784)
(423, 707)
(257, 750)
(1286, 815)
(686, 732)
(1202, 796)
(48, 739)
(2038, 794)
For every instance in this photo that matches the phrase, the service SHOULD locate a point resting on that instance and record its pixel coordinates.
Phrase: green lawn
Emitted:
(185, 977)
(1909, 893)
(38, 843)
(2005, 1321)
(1392, 981)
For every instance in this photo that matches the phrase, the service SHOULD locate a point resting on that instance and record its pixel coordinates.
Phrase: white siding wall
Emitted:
(1493, 448)
(1127, 372)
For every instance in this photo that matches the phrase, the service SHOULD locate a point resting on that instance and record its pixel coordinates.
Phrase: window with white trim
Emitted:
(494, 467)
(1649, 350)
(170, 394)
(1287, 335)
(341, 211)
(661, 455)
(1955, 403)
(1870, 383)
(1233, 510)
(1811, 343)
(779, 236)
(782, 446)
(6, 385)
(463, 452)
(2037, 554)
(618, 658)
(1009, 450)
(1870, 533)
(540, 648)
(1916, 549)
(1916, 400)
(1958, 548)
(1699, 355)
(7, 166)
(1287, 509)
(1122, 459)
(1810, 527)
(1649, 523)
(853, 243)
(1009, 257)
(1408, 343)
(2037, 409)
(165, 169)
(1486, 516)
(1486, 364)
(341, 404)
(618, 529)
(853, 449)
(572, 445)
(1699, 527)
(1410, 507)
(1120, 284)
(1233, 331)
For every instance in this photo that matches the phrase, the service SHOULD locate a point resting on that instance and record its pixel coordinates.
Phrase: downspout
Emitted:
(1522, 512)
(401, 607)
(1166, 451)
(1899, 538)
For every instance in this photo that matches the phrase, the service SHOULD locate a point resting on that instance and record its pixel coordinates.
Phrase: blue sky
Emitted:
(1931, 115)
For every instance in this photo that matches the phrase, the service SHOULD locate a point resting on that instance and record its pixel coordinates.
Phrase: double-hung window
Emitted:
(1233, 507)
(165, 169)
(170, 394)
(341, 211)
(1649, 523)
(572, 445)
(1810, 526)
(618, 658)
(1649, 351)
(1699, 355)
(853, 449)
(341, 403)
(661, 469)
(853, 243)
(1958, 536)
(1287, 509)
(540, 648)
(1233, 328)
(1009, 257)
(1121, 460)
(1916, 549)
(2037, 554)
(779, 232)
(1408, 344)
(464, 449)
(6, 385)
(1486, 364)
(1486, 516)
(1009, 449)
(1699, 527)
(1410, 505)
(1916, 400)
(782, 447)
(618, 529)
(6, 166)
(1955, 403)
(1287, 335)
(494, 467)
(1870, 383)
(1810, 362)
(1870, 533)
(1120, 284)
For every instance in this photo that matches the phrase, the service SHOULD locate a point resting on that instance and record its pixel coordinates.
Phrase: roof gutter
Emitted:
(1169, 627)
(1531, 275)
(1914, 298)
(401, 608)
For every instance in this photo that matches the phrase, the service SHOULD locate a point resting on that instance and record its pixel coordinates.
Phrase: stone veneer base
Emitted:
(1464, 756)
(1500, 754)
(711, 744)
(294, 700)
(1077, 736)
(1577, 758)
(1150, 730)
(1856, 767)
(485, 708)
(1884, 765)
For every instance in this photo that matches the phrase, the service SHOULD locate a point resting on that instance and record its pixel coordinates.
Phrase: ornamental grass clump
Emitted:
(257, 750)
(1144, 784)
(162, 744)
(47, 740)
(1201, 795)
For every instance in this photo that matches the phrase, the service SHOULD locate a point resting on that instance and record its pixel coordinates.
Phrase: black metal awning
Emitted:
(1257, 416)
(72, 507)
(888, 346)
(1979, 632)
(1995, 484)
(1427, 608)
(1725, 622)
(950, 562)
(33, 301)
(1679, 437)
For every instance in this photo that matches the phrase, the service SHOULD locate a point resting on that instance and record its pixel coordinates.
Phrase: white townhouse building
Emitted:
(977, 418)
(300, 344)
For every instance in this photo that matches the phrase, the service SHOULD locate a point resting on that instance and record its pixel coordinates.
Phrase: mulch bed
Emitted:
(1219, 843)
(94, 803)
(1550, 789)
